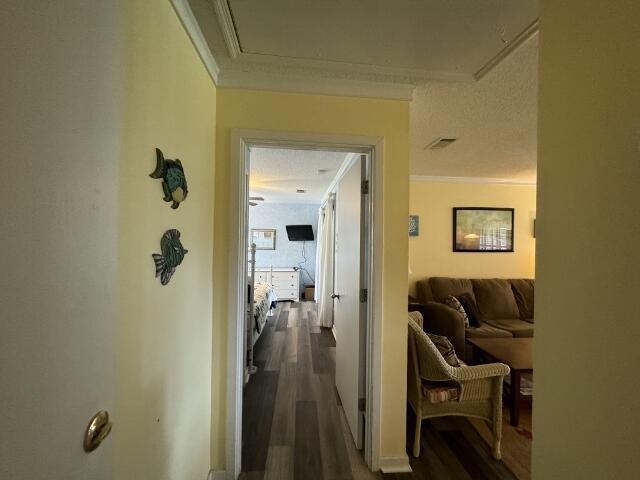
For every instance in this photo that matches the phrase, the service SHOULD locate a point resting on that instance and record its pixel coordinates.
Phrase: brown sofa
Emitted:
(505, 307)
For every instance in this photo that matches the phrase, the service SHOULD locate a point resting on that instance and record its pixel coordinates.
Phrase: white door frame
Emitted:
(241, 141)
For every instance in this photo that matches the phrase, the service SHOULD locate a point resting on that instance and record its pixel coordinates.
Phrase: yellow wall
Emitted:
(586, 416)
(162, 419)
(337, 115)
(430, 254)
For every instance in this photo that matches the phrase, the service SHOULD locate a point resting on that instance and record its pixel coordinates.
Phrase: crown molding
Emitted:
(352, 87)
(511, 47)
(191, 26)
(228, 27)
(484, 180)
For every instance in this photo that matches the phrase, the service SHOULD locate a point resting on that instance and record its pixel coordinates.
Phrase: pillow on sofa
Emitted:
(471, 309)
(454, 303)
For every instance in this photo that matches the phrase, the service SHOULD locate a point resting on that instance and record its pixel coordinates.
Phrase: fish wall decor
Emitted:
(174, 183)
(172, 255)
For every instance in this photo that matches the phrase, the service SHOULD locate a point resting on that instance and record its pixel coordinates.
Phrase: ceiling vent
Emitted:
(300, 191)
(440, 143)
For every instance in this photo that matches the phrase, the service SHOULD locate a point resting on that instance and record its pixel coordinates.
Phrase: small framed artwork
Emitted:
(481, 229)
(264, 238)
(414, 225)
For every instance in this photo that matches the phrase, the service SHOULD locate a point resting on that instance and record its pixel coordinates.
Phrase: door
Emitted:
(60, 125)
(348, 312)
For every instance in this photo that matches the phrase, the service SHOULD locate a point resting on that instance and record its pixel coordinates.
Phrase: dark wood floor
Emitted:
(294, 426)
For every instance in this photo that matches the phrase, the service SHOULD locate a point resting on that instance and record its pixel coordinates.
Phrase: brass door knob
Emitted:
(97, 430)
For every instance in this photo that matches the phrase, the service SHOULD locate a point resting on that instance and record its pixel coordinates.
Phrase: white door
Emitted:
(59, 124)
(348, 316)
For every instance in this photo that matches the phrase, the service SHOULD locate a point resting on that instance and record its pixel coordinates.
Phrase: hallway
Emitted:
(293, 424)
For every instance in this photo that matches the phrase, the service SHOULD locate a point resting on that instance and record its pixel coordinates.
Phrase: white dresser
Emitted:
(285, 281)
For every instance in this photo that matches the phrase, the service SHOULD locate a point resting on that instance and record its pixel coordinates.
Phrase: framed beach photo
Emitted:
(264, 238)
(482, 229)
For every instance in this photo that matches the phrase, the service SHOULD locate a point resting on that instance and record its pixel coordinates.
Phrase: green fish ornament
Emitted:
(174, 183)
(172, 255)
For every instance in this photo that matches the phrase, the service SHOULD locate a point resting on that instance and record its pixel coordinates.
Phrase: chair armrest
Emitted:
(477, 372)
(441, 319)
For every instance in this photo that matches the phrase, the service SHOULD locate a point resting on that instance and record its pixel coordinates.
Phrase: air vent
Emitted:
(440, 143)
(300, 191)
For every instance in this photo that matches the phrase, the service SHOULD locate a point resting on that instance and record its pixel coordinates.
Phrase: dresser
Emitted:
(285, 281)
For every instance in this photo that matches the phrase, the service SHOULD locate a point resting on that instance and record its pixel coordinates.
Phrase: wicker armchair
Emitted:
(478, 388)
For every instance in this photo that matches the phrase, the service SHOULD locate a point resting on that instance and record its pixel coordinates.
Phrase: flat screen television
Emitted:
(300, 233)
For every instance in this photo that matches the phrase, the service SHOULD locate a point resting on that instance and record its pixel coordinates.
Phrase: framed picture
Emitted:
(264, 238)
(414, 225)
(480, 229)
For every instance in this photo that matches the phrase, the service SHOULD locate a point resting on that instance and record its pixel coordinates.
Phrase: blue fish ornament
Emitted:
(174, 183)
(172, 255)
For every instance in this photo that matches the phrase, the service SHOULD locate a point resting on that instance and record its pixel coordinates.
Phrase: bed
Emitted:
(261, 301)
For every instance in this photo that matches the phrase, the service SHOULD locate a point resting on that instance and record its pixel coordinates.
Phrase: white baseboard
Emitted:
(399, 464)
(218, 475)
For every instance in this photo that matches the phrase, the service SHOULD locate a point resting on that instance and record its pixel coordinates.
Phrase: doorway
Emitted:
(363, 391)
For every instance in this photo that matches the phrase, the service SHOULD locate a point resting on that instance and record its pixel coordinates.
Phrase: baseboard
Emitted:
(217, 475)
(399, 464)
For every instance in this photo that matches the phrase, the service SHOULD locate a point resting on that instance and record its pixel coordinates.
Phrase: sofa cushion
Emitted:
(487, 330)
(523, 291)
(442, 287)
(517, 327)
(495, 299)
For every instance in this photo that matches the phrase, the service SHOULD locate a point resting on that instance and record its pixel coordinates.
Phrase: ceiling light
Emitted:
(440, 143)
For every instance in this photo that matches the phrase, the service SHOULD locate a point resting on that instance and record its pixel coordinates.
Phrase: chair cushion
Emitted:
(495, 299)
(454, 303)
(523, 291)
(517, 327)
(487, 330)
(442, 287)
(445, 348)
(440, 392)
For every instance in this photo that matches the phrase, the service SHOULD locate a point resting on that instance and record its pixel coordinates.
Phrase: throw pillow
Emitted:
(454, 303)
(471, 308)
(445, 348)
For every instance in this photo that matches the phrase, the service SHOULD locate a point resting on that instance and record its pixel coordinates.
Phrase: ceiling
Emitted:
(469, 68)
(494, 120)
(276, 174)
(364, 47)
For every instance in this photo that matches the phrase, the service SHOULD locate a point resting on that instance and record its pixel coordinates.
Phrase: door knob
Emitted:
(97, 430)
(333, 295)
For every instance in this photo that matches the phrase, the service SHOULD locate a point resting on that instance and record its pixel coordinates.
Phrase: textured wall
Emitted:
(287, 254)
(430, 253)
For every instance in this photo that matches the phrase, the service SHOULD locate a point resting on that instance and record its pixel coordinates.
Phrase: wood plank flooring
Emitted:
(294, 427)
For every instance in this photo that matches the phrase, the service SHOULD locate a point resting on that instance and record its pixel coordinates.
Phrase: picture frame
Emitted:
(414, 225)
(483, 229)
(264, 238)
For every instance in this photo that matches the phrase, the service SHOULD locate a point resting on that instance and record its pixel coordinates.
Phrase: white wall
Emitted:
(287, 254)
(60, 113)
